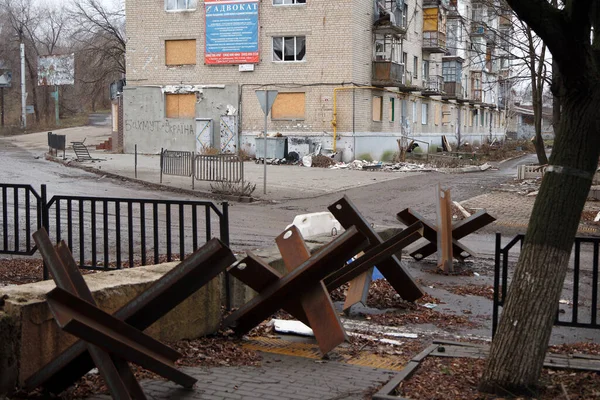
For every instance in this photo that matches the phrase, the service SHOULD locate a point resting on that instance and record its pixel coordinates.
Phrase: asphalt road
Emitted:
(256, 225)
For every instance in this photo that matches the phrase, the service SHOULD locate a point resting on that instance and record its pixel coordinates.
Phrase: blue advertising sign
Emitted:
(231, 32)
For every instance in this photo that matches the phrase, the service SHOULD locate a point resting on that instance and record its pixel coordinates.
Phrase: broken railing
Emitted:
(579, 307)
(202, 167)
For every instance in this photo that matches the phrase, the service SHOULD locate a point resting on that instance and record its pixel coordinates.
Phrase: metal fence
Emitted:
(180, 163)
(219, 167)
(109, 233)
(577, 311)
(202, 167)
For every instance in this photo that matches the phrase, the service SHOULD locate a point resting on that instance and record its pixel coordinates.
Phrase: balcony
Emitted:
(392, 20)
(390, 74)
(434, 42)
(477, 95)
(434, 85)
(453, 90)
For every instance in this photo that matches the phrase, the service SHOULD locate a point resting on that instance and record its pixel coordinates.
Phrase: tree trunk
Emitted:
(538, 141)
(519, 347)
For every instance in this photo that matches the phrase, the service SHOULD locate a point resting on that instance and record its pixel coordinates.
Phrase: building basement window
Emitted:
(180, 105)
(177, 5)
(289, 48)
(180, 52)
(289, 106)
(287, 2)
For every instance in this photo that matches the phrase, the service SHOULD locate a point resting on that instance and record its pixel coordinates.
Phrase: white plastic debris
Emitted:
(307, 160)
(315, 224)
(402, 335)
(597, 217)
(430, 305)
(292, 327)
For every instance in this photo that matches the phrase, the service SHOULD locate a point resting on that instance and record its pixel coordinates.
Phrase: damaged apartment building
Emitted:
(352, 75)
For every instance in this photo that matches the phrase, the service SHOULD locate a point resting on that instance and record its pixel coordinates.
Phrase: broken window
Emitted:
(180, 52)
(424, 113)
(289, 106)
(287, 2)
(392, 110)
(414, 107)
(289, 48)
(377, 108)
(180, 105)
(173, 5)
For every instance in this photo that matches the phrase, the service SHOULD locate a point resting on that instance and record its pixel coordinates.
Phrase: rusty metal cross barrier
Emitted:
(302, 292)
(109, 341)
(459, 231)
(391, 268)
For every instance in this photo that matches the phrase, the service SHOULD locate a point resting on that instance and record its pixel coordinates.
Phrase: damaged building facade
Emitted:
(352, 75)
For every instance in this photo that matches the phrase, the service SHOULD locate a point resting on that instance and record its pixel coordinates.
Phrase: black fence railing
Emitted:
(179, 163)
(202, 167)
(579, 306)
(21, 215)
(219, 167)
(106, 233)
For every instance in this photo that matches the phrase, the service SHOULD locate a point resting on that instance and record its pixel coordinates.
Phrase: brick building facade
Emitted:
(358, 62)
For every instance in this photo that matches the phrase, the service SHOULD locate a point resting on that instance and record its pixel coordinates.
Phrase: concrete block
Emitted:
(29, 337)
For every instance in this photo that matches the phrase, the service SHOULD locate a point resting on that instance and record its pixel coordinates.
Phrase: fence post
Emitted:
(495, 304)
(136, 161)
(161, 163)
(224, 233)
(193, 169)
(45, 224)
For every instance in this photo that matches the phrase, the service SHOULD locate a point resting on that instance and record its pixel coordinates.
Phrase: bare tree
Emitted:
(572, 35)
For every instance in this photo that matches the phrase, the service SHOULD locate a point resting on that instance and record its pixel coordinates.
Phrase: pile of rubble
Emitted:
(382, 166)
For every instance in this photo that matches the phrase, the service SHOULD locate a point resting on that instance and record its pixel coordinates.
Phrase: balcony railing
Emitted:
(434, 42)
(477, 28)
(453, 90)
(476, 95)
(434, 83)
(387, 73)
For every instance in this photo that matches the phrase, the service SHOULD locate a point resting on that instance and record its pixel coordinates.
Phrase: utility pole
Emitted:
(23, 90)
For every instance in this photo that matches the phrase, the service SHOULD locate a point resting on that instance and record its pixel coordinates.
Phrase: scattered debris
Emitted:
(429, 305)
(462, 210)
(292, 327)
(321, 161)
(473, 290)
(389, 167)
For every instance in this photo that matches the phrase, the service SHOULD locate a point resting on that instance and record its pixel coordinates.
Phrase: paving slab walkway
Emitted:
(278, 378)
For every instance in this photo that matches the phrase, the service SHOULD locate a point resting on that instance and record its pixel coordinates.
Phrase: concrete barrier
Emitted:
(29, 337)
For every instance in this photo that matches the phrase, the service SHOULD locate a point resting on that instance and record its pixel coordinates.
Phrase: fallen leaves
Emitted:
(422, 316)
(473, 290)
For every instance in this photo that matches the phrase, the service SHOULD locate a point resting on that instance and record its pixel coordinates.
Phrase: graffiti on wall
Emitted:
(167, 126)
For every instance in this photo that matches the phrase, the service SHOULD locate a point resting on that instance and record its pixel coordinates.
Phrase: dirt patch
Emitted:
(423, 316)
(321, 161)
(457, 378)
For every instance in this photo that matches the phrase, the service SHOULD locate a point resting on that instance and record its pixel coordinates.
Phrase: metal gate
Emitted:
(178, 163)
(229, 135)
(204, 129)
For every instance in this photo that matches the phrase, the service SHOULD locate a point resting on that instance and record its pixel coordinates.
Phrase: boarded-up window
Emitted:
(446, 114)
(180, 105)
(289, 106)
(377, 108)
(180, 52)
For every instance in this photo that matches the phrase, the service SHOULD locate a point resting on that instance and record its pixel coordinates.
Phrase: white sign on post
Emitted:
(266, 98)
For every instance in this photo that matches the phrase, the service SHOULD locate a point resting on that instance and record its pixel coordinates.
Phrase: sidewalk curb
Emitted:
(157, 186)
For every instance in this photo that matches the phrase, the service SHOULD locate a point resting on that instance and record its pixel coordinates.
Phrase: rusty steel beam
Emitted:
(67, 277)
(459, 230)
(400, 279)
(315, 300)
(258, 275)
(471, 224)
(324, 262)
(444, 225)
(175, 286)
(375, 256)
(82, 319)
